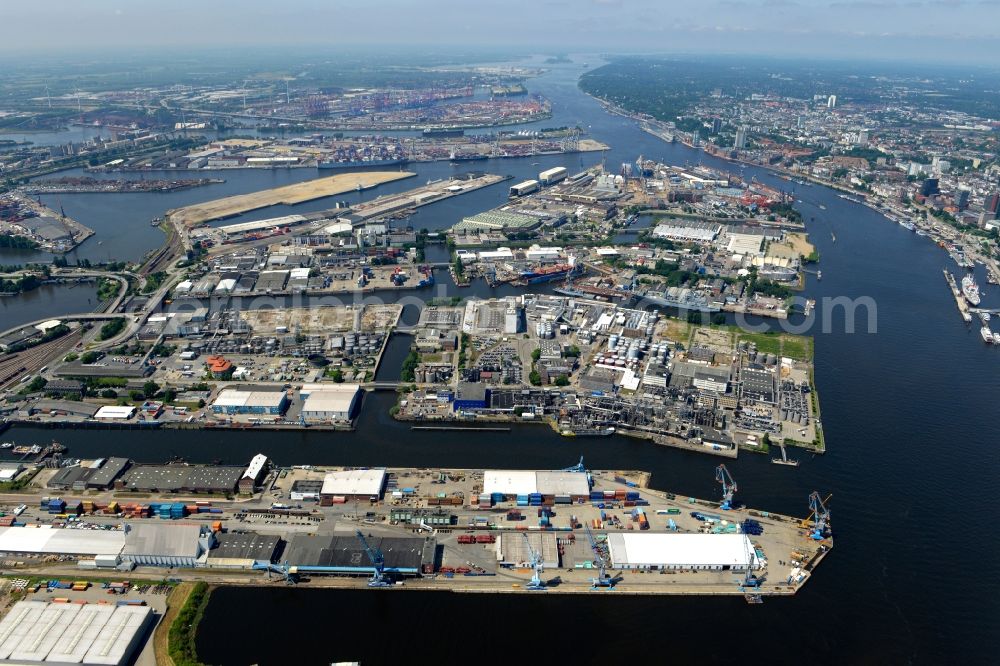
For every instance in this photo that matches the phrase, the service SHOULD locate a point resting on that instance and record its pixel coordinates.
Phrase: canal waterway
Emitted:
(909, 413)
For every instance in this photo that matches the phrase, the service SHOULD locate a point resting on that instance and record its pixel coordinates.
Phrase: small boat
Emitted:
(984, 331)
(6, 445)
(822, 207)
(984, 317)
(819, 275)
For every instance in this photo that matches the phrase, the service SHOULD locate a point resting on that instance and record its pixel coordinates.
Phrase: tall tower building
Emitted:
(741, 138)
(831, 102)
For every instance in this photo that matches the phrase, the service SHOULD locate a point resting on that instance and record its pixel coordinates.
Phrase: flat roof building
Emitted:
(549, 484)
(166, 545)
(335, 402)
(181, 478)
(48, 540)
(242, 549)
(233, 401)
(512, 548)
(353, 483)
(326, 553)
(720, 552)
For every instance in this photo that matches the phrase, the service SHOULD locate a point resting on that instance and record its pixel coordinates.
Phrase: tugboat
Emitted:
(819, 275)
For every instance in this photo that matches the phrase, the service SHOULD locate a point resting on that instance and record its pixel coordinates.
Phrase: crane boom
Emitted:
(603, 578)
(377, 560)
(536, 564)
(725, 479)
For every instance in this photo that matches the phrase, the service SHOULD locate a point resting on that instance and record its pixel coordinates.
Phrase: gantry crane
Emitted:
(536, 563)
(575, 468)
(723, 476)
(378, 563)
(604, 579)
(819, 516)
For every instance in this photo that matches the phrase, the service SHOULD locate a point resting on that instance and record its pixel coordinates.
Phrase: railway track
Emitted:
(14, 367)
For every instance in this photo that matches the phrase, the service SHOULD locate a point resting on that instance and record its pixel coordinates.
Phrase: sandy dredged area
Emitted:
(289, 194)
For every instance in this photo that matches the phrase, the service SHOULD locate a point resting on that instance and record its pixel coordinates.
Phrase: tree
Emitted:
(536, 354)
(109, 393)
(169, 395)
(135, 395)
(337, 376)
(535, 378)
(70, 357)
(150, 388)
(562, 380)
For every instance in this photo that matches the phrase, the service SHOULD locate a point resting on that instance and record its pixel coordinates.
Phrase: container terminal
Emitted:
(462, 530)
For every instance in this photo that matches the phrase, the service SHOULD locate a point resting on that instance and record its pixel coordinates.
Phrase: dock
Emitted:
(963, 306)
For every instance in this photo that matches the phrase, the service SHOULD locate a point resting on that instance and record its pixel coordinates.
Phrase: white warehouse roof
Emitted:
(55, 541)
(115, 412)
(710, 551)
(354, 482)
(256, 465)
(40, 632)
(236, 398)
(525, 482)
(331, 401)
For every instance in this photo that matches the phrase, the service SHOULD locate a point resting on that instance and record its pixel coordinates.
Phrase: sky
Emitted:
(922, 30)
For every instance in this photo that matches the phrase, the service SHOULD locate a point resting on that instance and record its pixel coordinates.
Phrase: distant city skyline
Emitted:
(922, 30)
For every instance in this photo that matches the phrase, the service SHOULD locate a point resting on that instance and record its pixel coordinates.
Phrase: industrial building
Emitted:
(352, 484)
(115, 413)
(335, 402)
(233, 401)
(254, 474)
(512, 548)
(164, 545)
(550, 487)
(720, 552)
(330, 554)
(99, 474)
(180, 479)
(240, 550)
(47, 540)
(58, 633)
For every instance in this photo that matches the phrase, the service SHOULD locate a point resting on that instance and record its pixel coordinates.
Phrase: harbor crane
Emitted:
(378, 578)
(604, 579)
(288, 573)
(536, 583)
(575, 468)
(723, 476)
(820, 517)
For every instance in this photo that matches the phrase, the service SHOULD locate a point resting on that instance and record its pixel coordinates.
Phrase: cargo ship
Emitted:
(588, 432)
(970, 289)
(549, 273)
(361, 164)
(984, 331)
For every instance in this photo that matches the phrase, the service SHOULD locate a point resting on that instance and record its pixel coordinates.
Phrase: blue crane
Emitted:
(536, 583)
(723, 476)
(575, 468)
(288, 573)
(378, 563)
(820, 516)
(604, 579)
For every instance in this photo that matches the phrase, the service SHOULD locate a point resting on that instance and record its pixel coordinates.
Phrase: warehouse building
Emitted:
(306, 490)
(331, 403)
(254, 474)
(180, 479)
(716, 552)
(97, 475)
(512, 549)
(330, 554)
(561, 487)
(91, 634)
(46, 540)
(165, 545)
(353, 484)
(240, 550)
(115, 413)
(233, 401)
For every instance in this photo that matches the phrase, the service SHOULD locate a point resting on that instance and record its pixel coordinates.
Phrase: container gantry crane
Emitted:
(536, 583)
(820, 516)
(378, 563)
(723, 476)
